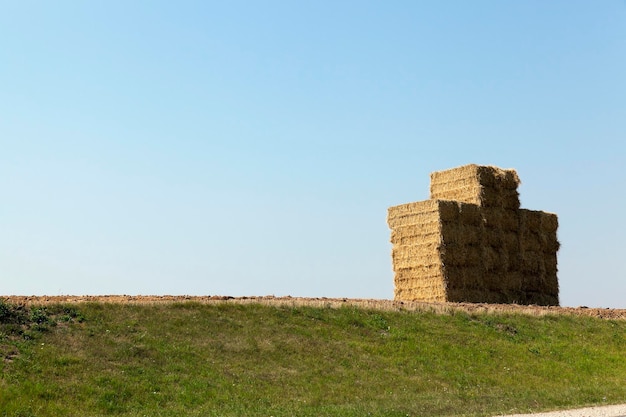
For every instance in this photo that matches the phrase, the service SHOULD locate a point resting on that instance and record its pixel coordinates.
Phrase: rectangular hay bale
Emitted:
(485, 186)
(421, 212)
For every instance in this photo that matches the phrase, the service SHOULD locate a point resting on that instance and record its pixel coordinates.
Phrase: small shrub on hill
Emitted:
(19, 323)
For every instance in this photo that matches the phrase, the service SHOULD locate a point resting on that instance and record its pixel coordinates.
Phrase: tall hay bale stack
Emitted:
(472, 242)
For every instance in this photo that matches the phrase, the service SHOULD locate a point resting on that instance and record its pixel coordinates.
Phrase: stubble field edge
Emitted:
(323, 302)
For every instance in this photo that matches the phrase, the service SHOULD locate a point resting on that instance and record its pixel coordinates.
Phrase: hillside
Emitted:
(286, 357)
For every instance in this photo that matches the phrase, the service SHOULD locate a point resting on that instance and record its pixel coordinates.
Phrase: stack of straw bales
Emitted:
(471, 242)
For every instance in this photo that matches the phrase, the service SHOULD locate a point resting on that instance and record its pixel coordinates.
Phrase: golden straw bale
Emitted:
(422, 212)
(424, 232)
(421, 254)
(422, 229)
(417, 273)
(434, 291)
(411, 208)
(480, 185)
(459, 192)
(402, 261)
(413, 213)
(401, 239)
(413, 219)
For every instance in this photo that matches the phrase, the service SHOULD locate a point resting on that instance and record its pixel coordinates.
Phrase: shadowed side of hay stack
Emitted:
(472, 265)
(538, 259)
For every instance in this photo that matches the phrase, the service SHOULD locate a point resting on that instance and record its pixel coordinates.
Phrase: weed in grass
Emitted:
(5, 311)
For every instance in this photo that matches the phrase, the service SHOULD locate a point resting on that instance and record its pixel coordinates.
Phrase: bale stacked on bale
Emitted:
(485, 186)
(471, 242)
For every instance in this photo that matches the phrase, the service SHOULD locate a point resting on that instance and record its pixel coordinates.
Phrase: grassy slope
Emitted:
(220, 360)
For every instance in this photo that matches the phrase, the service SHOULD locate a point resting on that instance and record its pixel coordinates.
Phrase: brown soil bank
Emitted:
(603, 313)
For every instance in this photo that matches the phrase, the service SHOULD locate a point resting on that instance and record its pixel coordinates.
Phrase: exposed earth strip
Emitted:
(381, 304)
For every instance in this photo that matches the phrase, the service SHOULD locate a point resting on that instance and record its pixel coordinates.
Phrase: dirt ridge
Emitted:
(380, 304)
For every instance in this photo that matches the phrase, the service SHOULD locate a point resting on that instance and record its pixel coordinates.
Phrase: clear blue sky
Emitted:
(253, 147)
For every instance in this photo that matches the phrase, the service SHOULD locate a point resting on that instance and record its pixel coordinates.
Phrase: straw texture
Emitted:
(471, 242)
(486, 186)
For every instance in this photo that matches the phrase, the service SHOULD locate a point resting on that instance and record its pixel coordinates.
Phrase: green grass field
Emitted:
(191, 359)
